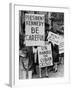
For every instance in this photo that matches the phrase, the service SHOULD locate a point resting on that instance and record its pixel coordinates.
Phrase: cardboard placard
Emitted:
(34, 29)
(61, 46)
(45, 56)
(54, 38)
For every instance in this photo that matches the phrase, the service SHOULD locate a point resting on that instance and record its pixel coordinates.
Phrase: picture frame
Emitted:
(14, 10)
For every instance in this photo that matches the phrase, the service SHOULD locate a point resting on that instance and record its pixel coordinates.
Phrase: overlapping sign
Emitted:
(54, 38)
(45, 56)
(58, 40)
(34, 29)
(61, 46)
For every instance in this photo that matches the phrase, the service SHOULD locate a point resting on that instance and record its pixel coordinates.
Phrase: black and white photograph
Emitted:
(41, 44)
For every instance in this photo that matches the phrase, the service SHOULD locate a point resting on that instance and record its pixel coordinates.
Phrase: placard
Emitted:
(45, 56)
(61, 46)
(34, 29)
(54, 38)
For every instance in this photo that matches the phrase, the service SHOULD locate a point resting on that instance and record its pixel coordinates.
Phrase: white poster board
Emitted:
(45, 56)
(61, 46)
(34, 29)
(54, 38)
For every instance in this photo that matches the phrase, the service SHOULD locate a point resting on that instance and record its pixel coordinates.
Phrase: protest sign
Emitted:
(45, 56)
(54, 38)
(61, 46)
(34, 29)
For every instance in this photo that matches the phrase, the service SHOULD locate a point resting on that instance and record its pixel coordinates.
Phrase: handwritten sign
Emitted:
(34, 29)
(45, 56)
(61, 46)
(54, 38)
